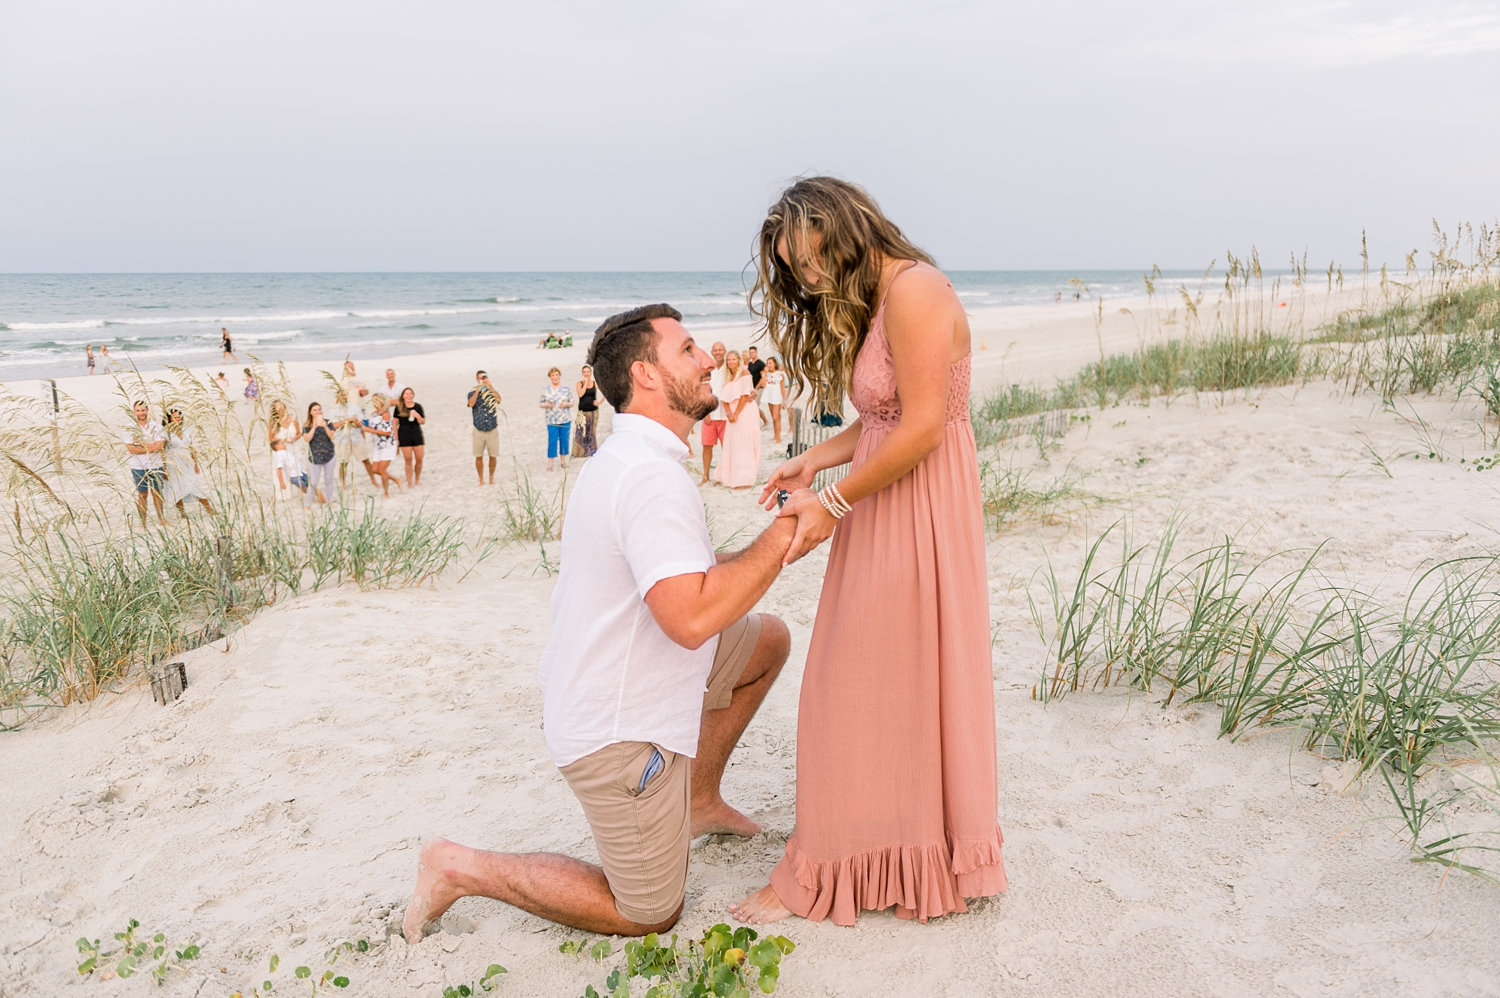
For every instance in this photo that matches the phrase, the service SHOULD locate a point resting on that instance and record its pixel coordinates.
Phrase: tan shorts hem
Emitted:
(731, 655)
(641, 834)
(487, 440)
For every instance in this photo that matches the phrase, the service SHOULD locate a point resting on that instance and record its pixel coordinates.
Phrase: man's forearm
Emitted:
(694, 608)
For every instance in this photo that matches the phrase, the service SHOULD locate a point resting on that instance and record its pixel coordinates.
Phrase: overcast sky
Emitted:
(443, 135)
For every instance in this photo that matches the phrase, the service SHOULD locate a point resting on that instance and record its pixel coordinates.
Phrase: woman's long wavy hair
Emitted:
(818, 329)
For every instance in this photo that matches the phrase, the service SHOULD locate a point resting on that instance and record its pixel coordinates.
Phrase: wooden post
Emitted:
(168, 682)
(56, 441)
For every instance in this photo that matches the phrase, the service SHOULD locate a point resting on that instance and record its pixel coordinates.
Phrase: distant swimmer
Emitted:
(226, 345)
(88, 348)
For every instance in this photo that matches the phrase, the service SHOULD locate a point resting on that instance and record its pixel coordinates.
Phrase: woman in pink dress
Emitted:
(896, 777)
(741, 461)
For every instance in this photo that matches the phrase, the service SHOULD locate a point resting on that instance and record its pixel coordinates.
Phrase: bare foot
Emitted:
(761, 907)
(721, 819)
(433, 894)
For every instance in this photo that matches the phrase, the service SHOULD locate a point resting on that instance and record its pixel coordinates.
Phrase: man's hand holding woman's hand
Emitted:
(814, 523)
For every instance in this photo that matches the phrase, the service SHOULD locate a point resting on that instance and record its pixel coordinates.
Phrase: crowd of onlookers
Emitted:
(370, 428)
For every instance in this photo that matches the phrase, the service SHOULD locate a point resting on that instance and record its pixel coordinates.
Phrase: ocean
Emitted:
(152, 320)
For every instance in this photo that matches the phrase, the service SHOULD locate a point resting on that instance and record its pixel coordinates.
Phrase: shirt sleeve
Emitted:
(660, 526)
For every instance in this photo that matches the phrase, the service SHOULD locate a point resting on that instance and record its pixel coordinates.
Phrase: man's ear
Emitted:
(645, 375)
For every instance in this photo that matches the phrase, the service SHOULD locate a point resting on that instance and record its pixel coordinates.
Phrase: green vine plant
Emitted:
(316, 985)
(727, 963)
(487, 982)
(136, 952)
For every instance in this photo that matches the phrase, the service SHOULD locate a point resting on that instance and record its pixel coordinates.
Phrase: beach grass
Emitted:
(93, 597)
(1271, 643)
(1428, 331)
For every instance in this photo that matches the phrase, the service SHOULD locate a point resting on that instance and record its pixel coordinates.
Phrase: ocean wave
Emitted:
(70, 324)
(404, 313)
(282, 334)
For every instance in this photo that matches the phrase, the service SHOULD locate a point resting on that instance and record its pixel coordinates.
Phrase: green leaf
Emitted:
(601, 949)
(265, 985)
(341, 982)
(275, 962)
(764, 954)
(783, 943)
(463, 991)
(767, 982)
(125, 967)
(159, 937)
(88, 966)
(363, 945)
(303, 973)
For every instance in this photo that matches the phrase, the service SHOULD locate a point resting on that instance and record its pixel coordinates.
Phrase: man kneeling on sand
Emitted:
(654, 665)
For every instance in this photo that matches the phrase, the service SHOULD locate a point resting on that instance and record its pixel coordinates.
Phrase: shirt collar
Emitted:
(656, 434)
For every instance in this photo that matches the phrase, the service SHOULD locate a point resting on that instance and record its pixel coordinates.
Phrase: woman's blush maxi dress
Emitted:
(896, 778)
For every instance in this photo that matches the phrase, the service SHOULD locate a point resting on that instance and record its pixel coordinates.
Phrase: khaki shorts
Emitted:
(352, 449)
(642, 832)
(487, 440)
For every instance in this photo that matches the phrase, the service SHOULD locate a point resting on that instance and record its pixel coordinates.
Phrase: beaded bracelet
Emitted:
(838, 498)
(836, 507)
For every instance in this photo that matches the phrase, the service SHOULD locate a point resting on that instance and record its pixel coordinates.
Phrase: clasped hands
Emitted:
(814, 523)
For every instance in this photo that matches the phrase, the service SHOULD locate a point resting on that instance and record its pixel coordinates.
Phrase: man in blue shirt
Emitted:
(484, 407)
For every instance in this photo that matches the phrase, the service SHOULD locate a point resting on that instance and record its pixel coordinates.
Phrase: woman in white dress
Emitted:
(181, 463)
(773, 393)
(282, 432)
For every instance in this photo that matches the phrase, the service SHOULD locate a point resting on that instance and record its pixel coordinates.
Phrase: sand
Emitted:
(277, 808)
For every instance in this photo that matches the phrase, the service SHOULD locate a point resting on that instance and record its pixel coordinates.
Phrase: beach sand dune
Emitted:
(277, 808)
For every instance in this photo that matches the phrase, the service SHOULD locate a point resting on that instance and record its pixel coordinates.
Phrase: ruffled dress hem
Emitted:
(921, 882)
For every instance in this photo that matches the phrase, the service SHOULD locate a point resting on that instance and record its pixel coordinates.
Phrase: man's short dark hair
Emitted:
(621, 341)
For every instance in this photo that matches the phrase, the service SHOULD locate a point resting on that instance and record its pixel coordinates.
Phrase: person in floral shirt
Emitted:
(557, 408)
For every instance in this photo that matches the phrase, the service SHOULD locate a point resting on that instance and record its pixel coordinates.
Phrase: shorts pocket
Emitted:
(643, 770)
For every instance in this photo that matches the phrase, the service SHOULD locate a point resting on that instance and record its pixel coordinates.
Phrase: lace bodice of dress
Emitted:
(872, 388)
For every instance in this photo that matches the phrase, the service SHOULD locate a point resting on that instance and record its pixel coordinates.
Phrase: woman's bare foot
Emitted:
(761, 907)
(433, 894)
(721, 819)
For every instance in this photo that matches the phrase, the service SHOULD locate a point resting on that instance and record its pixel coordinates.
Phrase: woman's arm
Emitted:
(421, 416)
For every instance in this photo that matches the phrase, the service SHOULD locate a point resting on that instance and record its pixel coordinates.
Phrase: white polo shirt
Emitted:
(151, 433)
(716, 382)
(609, 673)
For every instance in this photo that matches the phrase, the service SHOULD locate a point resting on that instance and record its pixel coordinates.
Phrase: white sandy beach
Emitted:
(277, 808)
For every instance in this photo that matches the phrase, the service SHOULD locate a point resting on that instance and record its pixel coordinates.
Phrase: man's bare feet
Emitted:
(433, 894)
(721, 819)
(761, 907)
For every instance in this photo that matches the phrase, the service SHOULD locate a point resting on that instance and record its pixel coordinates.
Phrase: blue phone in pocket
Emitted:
(653, 766)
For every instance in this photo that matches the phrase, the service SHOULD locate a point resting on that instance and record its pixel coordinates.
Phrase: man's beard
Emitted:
(683, 396)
